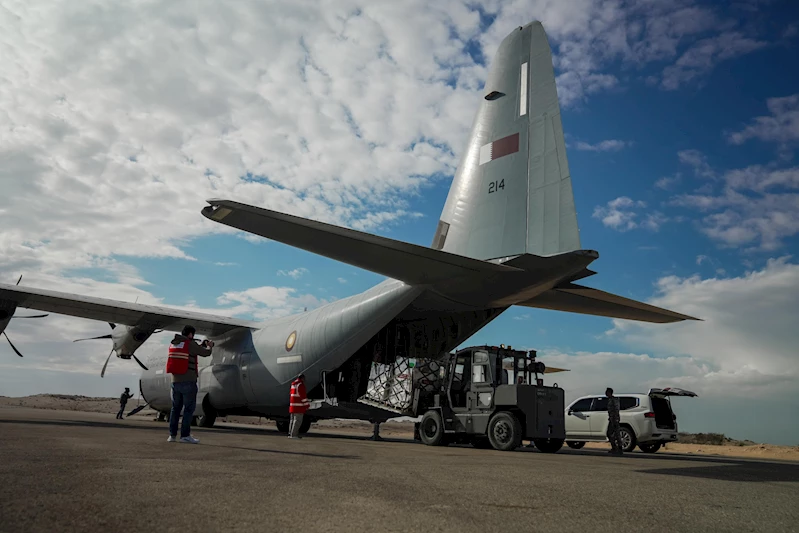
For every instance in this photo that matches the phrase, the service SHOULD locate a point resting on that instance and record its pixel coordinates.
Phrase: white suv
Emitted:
(647, 420)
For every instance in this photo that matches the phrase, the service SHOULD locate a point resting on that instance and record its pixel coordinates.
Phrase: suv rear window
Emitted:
(627, 402)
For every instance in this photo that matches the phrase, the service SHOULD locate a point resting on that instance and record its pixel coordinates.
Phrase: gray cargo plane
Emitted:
(507, 236)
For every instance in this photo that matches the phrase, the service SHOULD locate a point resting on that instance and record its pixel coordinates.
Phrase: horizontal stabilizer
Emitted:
(413, 264)
(577, 299)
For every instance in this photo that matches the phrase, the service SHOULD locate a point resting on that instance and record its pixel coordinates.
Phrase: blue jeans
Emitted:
(184, 397)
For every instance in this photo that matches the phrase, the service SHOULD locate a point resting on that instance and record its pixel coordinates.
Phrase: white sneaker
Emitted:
(190, 440)
(171, 439)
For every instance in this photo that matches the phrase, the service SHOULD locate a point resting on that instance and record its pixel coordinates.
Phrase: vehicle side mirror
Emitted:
(570, 412)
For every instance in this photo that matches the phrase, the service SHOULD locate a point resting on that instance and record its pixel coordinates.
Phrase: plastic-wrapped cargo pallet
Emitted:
(392, 386)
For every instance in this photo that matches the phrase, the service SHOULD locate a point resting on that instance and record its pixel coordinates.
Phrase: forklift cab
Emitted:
(475, 373)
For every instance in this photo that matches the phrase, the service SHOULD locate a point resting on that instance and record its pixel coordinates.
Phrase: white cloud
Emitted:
(755, 206)
(705, 55)
(342, 280)
(747, 337)
(782, 126)
(610, 145)
(742, 355)
(295, 273)
(620, 214)
(697, 161)
(667, 182)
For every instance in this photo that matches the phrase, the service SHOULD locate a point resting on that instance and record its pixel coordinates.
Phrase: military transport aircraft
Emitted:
(507, 236)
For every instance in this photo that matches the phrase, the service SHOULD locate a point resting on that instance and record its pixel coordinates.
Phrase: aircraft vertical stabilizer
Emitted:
(512, 193)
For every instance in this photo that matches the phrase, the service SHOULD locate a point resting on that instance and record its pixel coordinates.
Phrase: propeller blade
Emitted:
(20, 279)
(32, 316)
(139, 408)
(140, 363)
(93, 338)
(102, 374)
(12, 345)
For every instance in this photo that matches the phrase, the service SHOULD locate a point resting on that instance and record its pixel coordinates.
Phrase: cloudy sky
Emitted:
(118, 119)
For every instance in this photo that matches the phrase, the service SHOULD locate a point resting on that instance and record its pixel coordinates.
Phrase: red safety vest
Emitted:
(299, 401)
(178, 360)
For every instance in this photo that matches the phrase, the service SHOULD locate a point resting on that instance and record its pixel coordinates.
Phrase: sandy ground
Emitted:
(400, 430)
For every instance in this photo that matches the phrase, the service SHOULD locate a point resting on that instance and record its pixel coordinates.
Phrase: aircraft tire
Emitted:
(505, 431)
(305, 426)
(282, 426)
(574, 444)
(431, 429)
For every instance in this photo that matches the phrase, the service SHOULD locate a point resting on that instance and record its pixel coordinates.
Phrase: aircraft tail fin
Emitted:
(512, 193)
(585, 300)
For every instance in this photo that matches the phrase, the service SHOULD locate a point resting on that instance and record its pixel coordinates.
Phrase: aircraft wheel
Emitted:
(505, 432)
(549, 445)
(305, 426)
(574, 445)
(431, 429)
(649, 447)
(282, 426)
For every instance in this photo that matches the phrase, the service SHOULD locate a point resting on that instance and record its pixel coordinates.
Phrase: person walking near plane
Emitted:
(298, 405)
(123, 400)
(182, 364)
(614, 420)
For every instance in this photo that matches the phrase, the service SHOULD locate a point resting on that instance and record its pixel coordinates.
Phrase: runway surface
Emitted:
(74, 471)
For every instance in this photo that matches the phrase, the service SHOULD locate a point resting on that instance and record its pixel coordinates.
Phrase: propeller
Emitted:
(94, 338)
(12, 345)
(102, 373)
(30, 316)
(140, 363)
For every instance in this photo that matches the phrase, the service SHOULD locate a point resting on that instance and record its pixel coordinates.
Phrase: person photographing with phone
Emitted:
(182, 364)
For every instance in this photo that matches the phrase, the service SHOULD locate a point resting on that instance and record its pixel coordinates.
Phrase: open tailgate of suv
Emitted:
(671, 391)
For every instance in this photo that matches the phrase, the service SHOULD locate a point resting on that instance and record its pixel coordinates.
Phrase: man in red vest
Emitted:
(182, 364)
(298, 404)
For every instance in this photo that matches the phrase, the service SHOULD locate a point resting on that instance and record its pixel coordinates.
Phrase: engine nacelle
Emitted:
(127, 339)
(6, 312)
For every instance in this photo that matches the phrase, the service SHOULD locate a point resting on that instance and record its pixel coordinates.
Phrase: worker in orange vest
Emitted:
(298, 404)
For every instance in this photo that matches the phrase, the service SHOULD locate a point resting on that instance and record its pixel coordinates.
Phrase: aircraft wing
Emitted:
(126, 313)
(578, 299)
(406, 262)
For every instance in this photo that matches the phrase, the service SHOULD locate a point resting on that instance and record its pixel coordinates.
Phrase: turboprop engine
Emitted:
(125, 340)
(7, 309)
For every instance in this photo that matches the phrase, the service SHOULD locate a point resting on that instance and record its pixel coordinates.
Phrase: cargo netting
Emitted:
(392, 386)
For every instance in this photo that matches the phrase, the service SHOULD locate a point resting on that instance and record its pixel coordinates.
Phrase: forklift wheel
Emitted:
(505, 431)
(431, 429)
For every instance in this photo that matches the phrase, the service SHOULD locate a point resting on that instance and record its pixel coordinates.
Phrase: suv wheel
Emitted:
(505, 432)
(649, 447)
(575, 445)
(431, 429)
(627, 436)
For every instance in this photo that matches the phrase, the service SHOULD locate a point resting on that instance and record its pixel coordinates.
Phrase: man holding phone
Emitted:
(182, 364)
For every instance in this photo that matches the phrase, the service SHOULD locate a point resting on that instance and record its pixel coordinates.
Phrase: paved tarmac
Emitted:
(73, 471)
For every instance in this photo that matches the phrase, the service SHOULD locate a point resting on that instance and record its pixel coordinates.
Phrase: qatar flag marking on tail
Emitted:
(501, 147)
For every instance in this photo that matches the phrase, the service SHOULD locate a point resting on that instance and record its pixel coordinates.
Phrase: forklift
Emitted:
(490, 396)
